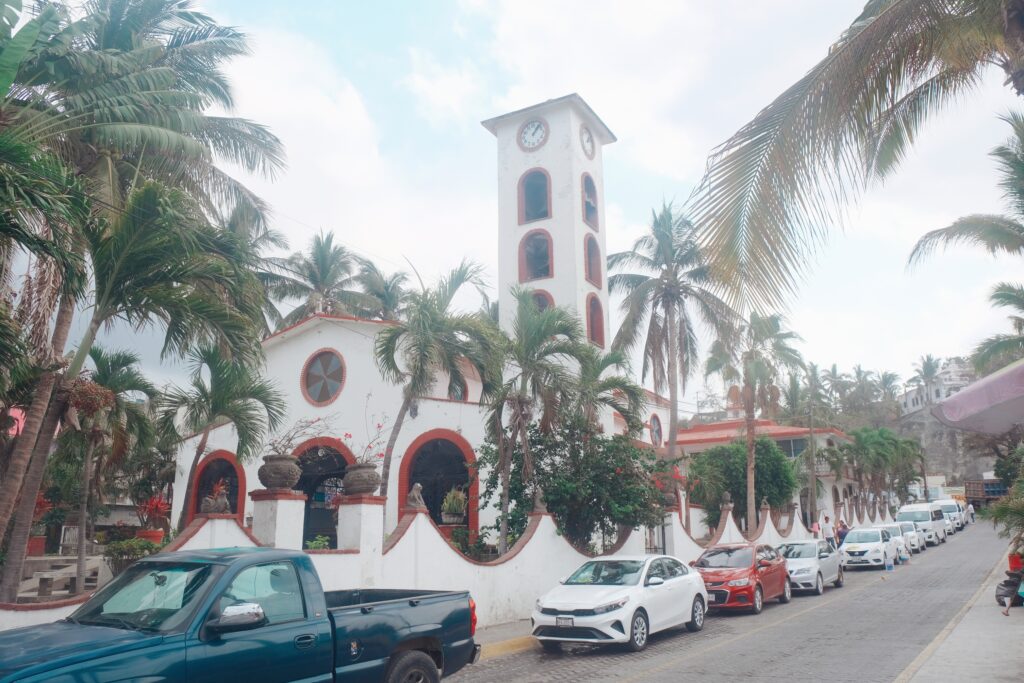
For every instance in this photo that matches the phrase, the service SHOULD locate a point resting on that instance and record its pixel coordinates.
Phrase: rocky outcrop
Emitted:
(944, 448)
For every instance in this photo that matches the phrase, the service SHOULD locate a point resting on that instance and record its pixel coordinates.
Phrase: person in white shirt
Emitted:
(970, 511)
(828, 532)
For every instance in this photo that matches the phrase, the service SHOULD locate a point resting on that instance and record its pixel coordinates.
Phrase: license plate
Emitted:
(563, 621)
(712, 597)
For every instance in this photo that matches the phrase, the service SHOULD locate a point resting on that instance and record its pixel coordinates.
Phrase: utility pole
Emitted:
(812, 494)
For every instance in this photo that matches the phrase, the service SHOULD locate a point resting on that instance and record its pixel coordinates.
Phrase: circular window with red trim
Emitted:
(655, 431)
(323, 377)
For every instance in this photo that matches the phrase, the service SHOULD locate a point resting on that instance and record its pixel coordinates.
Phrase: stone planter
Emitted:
(279, 472)
(151, 535)
(452, 517)
(361, 479)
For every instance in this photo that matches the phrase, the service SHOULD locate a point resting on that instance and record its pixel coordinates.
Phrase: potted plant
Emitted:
(37, 537)
(362, 477)
(152, 514)
(453, 507)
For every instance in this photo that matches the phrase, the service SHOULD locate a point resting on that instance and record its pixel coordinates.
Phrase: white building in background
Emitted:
(955, 374)
(552, 231)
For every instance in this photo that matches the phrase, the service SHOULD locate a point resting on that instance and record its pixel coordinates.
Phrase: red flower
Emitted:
(618, 470)
(658, 485)
(348, 435)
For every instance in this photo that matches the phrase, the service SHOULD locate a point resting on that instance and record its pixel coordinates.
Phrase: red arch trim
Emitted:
(543, 294)
(592, 261)
(329, 442)
(521, 195)
(595, 327)
(230, 458)
(405, 472)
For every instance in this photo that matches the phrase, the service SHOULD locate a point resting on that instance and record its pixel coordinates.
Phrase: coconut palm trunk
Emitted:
(673, 382)
(505, 449)
(187, 503)
(748, 411)
(83, 514)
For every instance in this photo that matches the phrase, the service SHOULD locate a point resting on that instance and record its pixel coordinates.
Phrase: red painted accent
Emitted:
(305, 367)
(595, 320)
(185, 536)
(239, 472)
(276, 494)
(405, 471)
(36, 606)
(151, 535)
(409, 516)
(524, 273)
(538, 294)
(592, 261)
(330, 442)
(364, 500)
(583, 200)
(521, 193)
(730, 430)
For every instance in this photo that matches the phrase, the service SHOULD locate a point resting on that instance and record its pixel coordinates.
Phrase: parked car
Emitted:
(947, 519)
(896, 533)
(743, 576)
(955, 511)
(929, 517)
(812, 564)
(237, 614)
(914, 536)
(868, 547)
(620, 600)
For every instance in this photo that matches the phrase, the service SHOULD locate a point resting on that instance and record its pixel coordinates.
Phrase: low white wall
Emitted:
(218, 533)
(17, 618)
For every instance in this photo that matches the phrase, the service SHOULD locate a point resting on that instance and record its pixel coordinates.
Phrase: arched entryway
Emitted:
(440, 460)
(219, 468)
(323, 461)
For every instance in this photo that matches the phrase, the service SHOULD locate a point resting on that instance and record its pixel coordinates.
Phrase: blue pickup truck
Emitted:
(252, 615)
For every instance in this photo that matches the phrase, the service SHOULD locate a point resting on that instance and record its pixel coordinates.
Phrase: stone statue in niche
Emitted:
(216, 503)
(415, 499)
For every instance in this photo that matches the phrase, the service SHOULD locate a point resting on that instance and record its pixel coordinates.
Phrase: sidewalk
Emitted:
(505, 639)
(980, 644)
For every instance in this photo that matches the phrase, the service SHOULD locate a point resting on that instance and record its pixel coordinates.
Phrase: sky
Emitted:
(378, 105)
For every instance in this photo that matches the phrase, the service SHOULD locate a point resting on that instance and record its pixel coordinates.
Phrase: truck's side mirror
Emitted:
(241, 617)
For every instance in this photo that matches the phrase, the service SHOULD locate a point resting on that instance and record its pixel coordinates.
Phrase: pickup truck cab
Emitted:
(244, 614)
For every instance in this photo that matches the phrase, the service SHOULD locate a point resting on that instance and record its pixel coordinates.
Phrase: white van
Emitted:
(929, 517)
(952, 508)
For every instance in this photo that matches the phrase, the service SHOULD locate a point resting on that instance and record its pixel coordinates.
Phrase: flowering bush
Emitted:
(373, 452)
(152, 511)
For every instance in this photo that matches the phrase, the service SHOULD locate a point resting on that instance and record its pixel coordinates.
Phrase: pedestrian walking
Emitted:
(828, 532)
(970, 511)
(841, 531)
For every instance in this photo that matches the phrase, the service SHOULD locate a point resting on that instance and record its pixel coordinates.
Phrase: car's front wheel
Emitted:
(413, 666)
(787, 593)
(696, 622)
(758, 601)
(639, 630)
(819, 585)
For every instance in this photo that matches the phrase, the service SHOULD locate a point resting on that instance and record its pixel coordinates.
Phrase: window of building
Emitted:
(590, 201)
(592, 260)
(543, 299)
(535, 256)
(595, 321)
(323, 377)
(534, 196)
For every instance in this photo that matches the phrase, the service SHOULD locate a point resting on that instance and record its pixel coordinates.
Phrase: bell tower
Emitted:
(551, 218)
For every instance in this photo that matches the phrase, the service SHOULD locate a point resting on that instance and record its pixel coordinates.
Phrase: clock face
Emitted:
(533, 134)
(587, 141)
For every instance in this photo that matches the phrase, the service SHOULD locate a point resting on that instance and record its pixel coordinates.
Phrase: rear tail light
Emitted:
(472, 617)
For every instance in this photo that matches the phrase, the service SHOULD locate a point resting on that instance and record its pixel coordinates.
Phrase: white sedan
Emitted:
(903, 551)
(621, 600)
(811, 565)
(915, 538)
(866, 547)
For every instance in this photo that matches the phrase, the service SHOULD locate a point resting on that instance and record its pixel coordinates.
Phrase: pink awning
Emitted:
(992, 405)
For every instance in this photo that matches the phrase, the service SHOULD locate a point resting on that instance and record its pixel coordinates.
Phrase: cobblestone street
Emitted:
(870, 630)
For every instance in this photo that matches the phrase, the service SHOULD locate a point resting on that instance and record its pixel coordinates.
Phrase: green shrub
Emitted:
(319, 543)
(121, 554)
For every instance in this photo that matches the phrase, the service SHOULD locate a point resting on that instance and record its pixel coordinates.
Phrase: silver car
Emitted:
(914, 537)
(811, 565)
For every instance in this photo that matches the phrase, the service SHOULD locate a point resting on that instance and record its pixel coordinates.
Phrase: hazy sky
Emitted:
(379, 107)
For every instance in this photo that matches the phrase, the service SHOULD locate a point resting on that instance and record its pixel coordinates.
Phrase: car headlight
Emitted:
(611, 606)
(739, 582)
(802, 570)
(876, 550)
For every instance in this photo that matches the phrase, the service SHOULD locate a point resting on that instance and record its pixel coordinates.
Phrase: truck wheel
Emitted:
(413, 666)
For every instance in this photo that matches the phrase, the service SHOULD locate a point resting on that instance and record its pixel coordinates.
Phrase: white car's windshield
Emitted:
(913, 516)
(908, 527)
(607, 573)
(794, 551)
(863, 536)
(951, 509)
(726, 558)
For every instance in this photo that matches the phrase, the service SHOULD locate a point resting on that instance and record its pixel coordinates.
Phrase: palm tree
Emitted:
(386, 291)
(754, 355)
(324, 279)
(538, 351)
(596, 388)
(864, 388)
(1000, 349)
(771, 191)
(888, 385)
(154, 264)
(995, 234)
(837, 383)
(221, 391)
(926, 371)
(432, 339)
(670, 284)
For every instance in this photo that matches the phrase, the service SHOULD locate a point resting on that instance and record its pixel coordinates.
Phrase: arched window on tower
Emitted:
(534, 196)
(543, 299)
(592, 260)
(535, 256)
(595, 321)
(590, 202)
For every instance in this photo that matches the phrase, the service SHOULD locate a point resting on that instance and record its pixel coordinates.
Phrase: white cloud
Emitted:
(442, 93)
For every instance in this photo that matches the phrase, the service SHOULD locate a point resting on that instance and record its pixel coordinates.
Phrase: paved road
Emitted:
(870, 630)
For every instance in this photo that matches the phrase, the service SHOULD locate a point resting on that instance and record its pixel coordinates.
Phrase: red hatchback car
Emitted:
(743, 576)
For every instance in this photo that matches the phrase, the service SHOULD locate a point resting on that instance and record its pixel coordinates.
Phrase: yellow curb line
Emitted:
(927, 653)
(508, 647)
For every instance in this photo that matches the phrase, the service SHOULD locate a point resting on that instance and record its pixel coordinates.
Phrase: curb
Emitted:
(508, 647)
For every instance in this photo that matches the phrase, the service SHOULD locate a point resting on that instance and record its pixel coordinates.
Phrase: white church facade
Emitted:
(551, 241)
